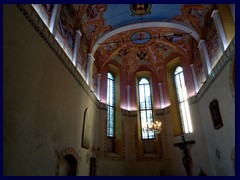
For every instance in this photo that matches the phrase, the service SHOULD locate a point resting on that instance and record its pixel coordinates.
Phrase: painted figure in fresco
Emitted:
(123, 52)
(93, 10)
(66, 23)
(48, 8)
(197, 13)
(173, 37)
(140, 36)
(161, 48)
(110, 47)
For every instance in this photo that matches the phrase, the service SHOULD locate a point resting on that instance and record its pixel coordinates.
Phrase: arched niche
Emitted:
(68, 163)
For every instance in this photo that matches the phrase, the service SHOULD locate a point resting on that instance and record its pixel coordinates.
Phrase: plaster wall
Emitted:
(173, 155)
(43, 104)
(220, 141)
(128, 165)
(171, 162)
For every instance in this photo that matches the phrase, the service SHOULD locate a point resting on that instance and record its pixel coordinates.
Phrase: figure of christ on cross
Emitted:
(186, 158)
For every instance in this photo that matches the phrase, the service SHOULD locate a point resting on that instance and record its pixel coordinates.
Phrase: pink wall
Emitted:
(125, 80)
(165, 87)
(103, 88)
(188, 76)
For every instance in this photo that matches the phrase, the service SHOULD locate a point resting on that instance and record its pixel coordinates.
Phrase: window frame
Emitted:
(182, 98)
(149, 136)
(109, 134)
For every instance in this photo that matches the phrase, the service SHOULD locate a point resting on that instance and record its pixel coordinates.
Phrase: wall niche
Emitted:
(67, 164)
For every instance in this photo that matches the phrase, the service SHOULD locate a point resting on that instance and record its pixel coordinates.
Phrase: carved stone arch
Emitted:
(232, 78)
(67, 163)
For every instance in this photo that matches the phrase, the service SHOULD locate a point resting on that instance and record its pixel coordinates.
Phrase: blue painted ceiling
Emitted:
(118, 15)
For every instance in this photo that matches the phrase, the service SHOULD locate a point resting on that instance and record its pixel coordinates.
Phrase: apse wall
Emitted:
(130, 163)
(170, 161)
(43, 105)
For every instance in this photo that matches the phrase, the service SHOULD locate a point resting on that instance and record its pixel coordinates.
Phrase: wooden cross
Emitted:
(186, 159)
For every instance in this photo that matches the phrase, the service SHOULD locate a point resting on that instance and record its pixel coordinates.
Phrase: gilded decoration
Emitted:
(140, 9)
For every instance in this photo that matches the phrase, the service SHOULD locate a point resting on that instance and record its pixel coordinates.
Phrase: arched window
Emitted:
(145, 105)
(182, 100)
(110, 106)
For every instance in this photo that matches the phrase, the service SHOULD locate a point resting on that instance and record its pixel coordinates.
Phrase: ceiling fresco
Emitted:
(150, 47)
(159, 46)
(117, 15)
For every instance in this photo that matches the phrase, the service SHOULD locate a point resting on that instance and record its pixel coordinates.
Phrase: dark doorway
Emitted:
(68, 166)
(92, 166)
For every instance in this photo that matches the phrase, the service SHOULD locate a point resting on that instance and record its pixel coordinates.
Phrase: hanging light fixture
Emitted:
(154, 126)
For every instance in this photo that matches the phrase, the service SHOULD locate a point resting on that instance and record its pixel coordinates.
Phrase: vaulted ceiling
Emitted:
(137, 35)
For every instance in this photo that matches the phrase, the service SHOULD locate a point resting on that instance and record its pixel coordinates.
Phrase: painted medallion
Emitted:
(140, 37)
(140, 9)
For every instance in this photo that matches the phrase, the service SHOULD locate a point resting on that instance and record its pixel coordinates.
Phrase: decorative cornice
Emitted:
(33, 18)
(227, 57)
(163, 111)
(128, 113)
(193, 99)
(232, 86)
(102, 106)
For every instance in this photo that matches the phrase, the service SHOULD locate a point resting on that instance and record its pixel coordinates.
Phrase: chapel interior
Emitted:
(119, 89)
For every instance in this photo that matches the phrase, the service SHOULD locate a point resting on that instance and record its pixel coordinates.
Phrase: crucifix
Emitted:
(185, 147)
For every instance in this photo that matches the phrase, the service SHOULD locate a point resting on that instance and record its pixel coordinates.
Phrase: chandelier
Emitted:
(154, 126)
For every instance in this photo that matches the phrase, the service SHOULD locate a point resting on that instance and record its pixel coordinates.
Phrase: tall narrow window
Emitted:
(110, 106)
(182, 100)
(146, 113)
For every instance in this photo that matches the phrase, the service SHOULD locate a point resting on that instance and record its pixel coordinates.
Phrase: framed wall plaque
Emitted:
(215, 114)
